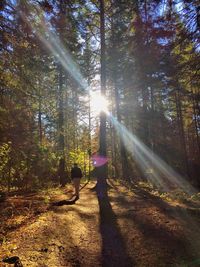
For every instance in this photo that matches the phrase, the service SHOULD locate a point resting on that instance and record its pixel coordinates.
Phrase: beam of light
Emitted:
(162, 175)
(53, 43)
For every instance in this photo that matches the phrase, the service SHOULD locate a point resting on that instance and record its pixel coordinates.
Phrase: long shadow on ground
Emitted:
(173, 244)
(114, 253)
(70, 201)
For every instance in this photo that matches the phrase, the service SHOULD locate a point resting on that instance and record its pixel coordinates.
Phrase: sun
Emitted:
(98, 103)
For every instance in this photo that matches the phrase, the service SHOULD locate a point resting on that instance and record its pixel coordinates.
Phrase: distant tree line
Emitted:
(150, 76)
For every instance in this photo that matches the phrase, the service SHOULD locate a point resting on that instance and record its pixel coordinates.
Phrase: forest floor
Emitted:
(132, 227)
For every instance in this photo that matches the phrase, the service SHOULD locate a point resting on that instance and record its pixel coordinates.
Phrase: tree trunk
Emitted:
(61, 138)
(102, 174)
(181, 132)
(40, 120)
(194, 104)
(61, 142)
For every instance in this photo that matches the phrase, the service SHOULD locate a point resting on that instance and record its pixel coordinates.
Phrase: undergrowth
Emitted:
(172, 195)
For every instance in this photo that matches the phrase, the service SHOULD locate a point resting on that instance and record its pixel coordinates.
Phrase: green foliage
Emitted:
(176, 195)
(45, 162)
(82, 159)
(152, 82)
(172, 195)
(193, 263)
(5, 150)
(195, 197)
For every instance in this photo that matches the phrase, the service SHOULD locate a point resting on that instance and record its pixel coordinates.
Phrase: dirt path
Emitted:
(127, 229)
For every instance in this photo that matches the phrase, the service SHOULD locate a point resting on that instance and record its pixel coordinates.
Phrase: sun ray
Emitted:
(53, 43)
(162, 174)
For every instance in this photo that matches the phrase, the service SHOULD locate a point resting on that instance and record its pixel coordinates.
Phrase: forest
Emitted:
(112, 85)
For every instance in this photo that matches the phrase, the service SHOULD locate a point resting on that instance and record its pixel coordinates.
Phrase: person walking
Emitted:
(76, 175)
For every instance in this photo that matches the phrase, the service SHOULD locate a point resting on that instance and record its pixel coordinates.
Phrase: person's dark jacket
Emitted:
(76, 172)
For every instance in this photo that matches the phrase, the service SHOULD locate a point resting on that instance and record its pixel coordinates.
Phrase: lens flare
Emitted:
(98, 160)
(98, 103)
(161, 173)
(53, 43)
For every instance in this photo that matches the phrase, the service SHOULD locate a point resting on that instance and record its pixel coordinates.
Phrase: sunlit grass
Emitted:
(176, 194)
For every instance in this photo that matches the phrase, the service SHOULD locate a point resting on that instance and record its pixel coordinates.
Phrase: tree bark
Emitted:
(61, 137)
(194, 104)
(102, 176)
(181, 131)
(40, 120)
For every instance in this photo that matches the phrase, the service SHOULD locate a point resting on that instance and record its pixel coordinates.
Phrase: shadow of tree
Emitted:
(64, 202)
(146, 197)
(155, 230)
(71, 201)
(114, 252)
